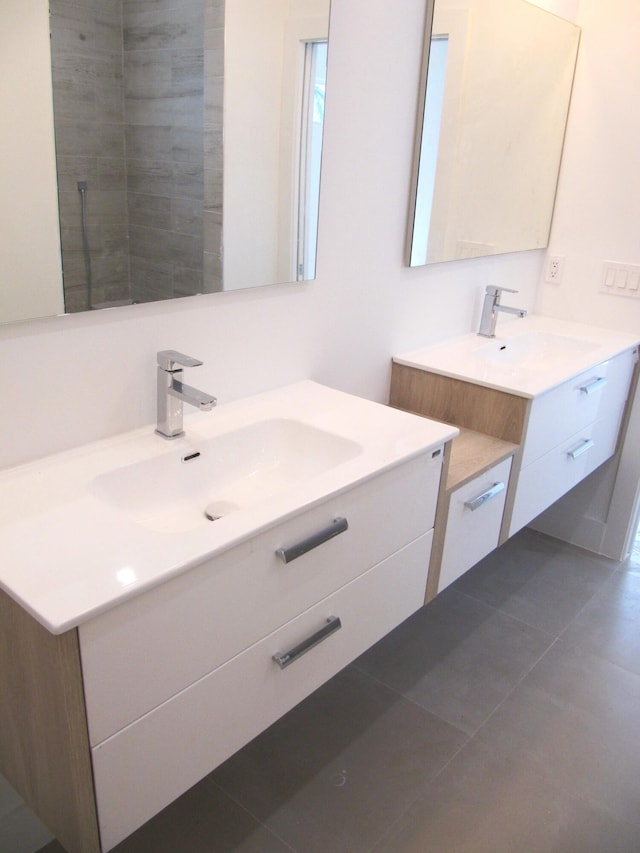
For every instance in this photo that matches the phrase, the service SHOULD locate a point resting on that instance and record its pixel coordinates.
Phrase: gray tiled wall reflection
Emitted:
(134, 121)
(86, 52)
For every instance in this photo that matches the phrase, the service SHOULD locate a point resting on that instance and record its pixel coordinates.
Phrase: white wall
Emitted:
(253, 28)
(260, 132)
(597, 218)
(30, 254)
(81, 377)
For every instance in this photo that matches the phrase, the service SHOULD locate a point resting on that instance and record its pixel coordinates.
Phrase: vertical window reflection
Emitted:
(429, 147)
(315, 73)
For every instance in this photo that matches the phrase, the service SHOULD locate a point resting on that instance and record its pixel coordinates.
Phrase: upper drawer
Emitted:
(155, 645)
(565, 410)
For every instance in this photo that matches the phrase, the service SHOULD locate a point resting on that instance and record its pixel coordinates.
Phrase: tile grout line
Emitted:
(470, 737)
(409, 699)
(251, 814)
(514, 688)
(463, 746)
(508, 615)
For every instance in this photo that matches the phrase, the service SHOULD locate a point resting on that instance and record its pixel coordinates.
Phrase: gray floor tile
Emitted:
(204, 820)
(9, 799)
(575, 719)
(458, 658)
(337, 770)
(633, 563)
(554, 769)
(539, 580)
(609, 625)
(486, 802)
(22, 832)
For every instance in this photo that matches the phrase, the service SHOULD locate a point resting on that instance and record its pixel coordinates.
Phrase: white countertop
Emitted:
(66, 555)
(542, 368)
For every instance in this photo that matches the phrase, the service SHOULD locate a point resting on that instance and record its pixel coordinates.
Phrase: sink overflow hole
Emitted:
(191, 456)
(504, 346)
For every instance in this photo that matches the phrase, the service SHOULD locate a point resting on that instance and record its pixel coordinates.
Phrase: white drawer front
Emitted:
(551, 476)
(143, 768)
(560, 413)
(155, 645)
(473, 533)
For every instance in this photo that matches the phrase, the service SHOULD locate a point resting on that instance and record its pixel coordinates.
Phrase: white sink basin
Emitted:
(182, 490)
(85, 529)
(534, 350)
(527, 357)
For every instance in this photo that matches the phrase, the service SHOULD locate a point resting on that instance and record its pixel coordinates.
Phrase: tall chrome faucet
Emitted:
(490, 308)
(172, 393)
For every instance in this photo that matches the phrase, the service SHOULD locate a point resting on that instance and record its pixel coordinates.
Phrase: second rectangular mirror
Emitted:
(497, 78)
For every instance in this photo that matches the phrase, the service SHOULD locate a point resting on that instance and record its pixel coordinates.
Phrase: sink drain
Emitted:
(217, 509)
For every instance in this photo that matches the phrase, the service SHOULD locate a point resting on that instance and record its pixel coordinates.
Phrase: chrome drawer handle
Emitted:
(587, 444)
(594, 385)
(284, 659)
(493, 492)
(338, 525)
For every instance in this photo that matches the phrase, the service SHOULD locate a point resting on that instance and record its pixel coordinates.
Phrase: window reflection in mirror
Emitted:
(429, 147)
(312, 123)
(497, 81)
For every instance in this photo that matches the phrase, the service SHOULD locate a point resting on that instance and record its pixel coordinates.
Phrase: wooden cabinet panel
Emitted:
(455, 401)
(44, 750)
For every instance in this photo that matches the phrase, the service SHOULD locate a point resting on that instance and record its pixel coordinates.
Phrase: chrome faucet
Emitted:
(172, 393)
(490, 308)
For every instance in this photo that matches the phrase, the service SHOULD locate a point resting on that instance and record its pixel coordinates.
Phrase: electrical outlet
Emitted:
(555, 267)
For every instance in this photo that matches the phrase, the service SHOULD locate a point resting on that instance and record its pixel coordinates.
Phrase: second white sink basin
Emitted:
(527, 357)
(179, 491)
(534, 350)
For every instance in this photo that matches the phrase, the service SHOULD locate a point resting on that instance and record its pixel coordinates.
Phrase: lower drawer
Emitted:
(473, 524)
(146, 766)
(548, 478)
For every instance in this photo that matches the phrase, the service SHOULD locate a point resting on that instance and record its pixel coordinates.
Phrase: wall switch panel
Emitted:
(620, 279)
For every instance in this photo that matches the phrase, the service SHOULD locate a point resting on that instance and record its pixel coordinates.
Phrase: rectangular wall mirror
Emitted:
(188, 140)
(496, 85)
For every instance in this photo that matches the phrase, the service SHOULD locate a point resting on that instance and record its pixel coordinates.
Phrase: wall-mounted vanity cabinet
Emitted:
(571, 430)
(106, 721)
(546, 404)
